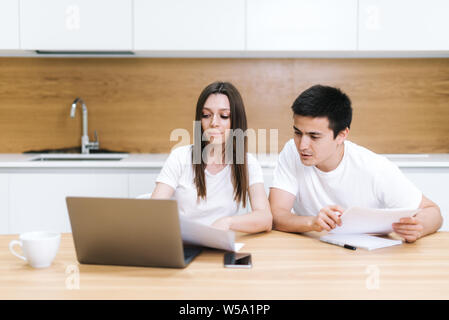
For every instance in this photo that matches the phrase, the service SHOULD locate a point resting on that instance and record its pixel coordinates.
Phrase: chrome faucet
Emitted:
(86, 145)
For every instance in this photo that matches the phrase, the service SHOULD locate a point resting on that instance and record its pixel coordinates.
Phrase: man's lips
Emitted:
(305, 155)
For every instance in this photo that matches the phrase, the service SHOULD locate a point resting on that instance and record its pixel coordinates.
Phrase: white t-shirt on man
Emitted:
(363, 178)
(178, 173)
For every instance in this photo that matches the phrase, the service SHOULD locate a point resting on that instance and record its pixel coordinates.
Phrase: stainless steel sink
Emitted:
(74, 154)
(71, 150)
(80, 157)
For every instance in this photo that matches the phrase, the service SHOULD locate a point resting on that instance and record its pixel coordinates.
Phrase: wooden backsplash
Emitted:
(400, 105)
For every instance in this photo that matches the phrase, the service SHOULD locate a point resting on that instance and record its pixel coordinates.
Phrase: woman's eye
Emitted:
(205, 116)
(224, 116)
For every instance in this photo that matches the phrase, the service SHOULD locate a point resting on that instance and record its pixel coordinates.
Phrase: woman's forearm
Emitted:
(255, 221)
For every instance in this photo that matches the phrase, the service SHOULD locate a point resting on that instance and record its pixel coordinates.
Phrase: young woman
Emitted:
(212, 178)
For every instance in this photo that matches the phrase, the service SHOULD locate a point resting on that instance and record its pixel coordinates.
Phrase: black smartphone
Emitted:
(237, 260)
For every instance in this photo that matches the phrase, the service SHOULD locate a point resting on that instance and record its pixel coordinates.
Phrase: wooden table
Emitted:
(285, 266)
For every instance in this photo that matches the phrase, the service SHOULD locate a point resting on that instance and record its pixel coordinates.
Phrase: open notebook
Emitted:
(363, 241)
(358, 223)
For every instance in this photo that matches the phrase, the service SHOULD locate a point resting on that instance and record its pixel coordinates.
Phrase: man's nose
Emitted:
(304, 143)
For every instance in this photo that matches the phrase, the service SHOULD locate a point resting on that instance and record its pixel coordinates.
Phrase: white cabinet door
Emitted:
(76, 25)
(9, 24)
(404, 25)
(189, 25)
(434, 183)
(267, 178)
(37, 200)
(301, 25)
(4, 203)
(142, 183)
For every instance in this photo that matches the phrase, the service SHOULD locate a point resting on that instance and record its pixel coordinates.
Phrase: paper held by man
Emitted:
(202, 235)
(376, 221)
(359, 223)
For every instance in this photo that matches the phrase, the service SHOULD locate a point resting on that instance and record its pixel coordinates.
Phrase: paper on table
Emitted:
(364, 220)
(199, 234)
(359, 241)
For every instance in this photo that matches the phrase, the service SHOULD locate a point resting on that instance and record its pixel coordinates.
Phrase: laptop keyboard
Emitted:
(190, 253)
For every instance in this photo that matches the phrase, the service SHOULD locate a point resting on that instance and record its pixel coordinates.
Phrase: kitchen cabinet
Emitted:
(301, 25)
(4, 203)
(193, 25)
(65, 25)
(142, 183)
(267, 178)
(145, 182)
(403, 25)
(32, 195)
(37, 200)
(434, 183)
(9, 25)
(211, 28)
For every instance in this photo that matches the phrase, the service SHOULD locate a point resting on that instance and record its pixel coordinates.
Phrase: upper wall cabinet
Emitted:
(9, 24)
(404, 25)
(294, 25)
(76, 25)
(191, 25)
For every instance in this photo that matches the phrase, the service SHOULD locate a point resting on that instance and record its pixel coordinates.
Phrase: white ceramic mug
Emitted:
(39, 247)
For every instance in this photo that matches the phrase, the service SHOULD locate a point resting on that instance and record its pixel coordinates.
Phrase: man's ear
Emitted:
(342, 135)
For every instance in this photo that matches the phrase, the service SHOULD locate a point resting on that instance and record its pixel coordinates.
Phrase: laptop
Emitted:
(128, 232)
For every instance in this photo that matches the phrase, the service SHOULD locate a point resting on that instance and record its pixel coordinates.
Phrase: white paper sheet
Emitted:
(364, 220)
(359, 241)
(199, 234)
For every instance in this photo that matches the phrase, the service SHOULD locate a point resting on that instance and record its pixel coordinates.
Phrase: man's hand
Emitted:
(410, 229)
(327, 219)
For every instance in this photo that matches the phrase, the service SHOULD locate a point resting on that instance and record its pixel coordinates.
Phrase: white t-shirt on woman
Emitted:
(178, 173)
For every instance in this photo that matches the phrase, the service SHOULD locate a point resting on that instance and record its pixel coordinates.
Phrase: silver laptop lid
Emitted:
(131, 232)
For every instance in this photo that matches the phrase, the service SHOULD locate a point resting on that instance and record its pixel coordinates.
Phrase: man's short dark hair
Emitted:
(324, 101)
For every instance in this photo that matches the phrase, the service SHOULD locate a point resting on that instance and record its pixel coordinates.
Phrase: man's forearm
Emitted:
(431, 219)
(284, 220)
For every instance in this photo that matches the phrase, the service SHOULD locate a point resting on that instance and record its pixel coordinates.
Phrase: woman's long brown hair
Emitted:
(239, 169)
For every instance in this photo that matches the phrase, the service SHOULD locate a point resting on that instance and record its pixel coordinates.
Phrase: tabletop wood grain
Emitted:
(285, 266)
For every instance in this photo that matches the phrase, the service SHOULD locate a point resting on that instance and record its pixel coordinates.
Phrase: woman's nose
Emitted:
(215, 121)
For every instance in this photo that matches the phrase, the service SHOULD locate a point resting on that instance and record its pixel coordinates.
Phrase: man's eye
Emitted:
(298, 133)
(314, 137)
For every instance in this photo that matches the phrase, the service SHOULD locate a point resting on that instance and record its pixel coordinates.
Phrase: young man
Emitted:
(319, 173)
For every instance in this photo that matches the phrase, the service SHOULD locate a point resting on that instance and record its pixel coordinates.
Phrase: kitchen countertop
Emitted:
(156, 160)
